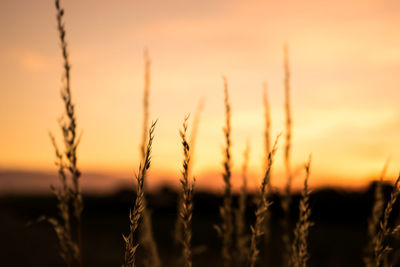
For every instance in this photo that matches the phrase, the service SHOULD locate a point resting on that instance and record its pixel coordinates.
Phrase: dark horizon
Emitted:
(339, 216)
(33, 182)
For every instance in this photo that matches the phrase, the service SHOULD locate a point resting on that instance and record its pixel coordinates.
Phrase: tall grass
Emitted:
(261, 210)
(267, 150)
(146, 228)
(267, 119)
(69, 250)
(299, 254)
(195, 131)
(68, 226)
(242, 237)
(186, 208)
(226, 228)
(146, 103)
(178, 229)
(386, 232)
(286, 201)
(376, 215)
(136, 214)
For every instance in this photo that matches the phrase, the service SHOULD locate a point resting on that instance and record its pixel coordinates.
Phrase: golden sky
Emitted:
(345, 64)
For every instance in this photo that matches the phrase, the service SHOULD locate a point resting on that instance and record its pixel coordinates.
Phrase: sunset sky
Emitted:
(344, 60)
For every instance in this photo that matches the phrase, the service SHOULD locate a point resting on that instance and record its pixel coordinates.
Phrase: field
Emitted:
(337, 239)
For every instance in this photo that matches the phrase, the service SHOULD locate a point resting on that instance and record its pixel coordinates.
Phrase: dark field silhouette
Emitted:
(338, 238)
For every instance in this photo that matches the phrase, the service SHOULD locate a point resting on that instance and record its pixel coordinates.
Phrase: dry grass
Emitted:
(299, 254)
(178, 229)
(267, 118)
(146, 229)
(381, 240)
(376, 215)
(146, 103)
(288, 114)
(68, 225)
(226, 228)
(286, 201)
(68, 126)
(267, 142)
(69, 250)
(195, 131)
(186, 208)
(136, 213)
(70, 202)
(242, 237)
(261, 210)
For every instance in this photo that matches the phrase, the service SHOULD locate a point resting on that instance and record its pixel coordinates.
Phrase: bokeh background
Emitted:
(344, 62)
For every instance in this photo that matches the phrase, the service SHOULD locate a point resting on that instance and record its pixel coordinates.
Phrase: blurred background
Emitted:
(344, 63)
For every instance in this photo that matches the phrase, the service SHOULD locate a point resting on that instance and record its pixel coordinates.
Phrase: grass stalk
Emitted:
(242, 237)
(146, 103)
(62, 226)
(261, 210)
(195, 131)
(267, 143)
(136, 214)
(267, 119)
(146, 229)
(68, 227)
(386, 232)
(226, 228)
(286, 201)
(178, 229)
(376, 215)
(186, 209)
(299, 254)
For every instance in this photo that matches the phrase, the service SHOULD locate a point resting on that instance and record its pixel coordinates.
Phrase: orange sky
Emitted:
(345, 63)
